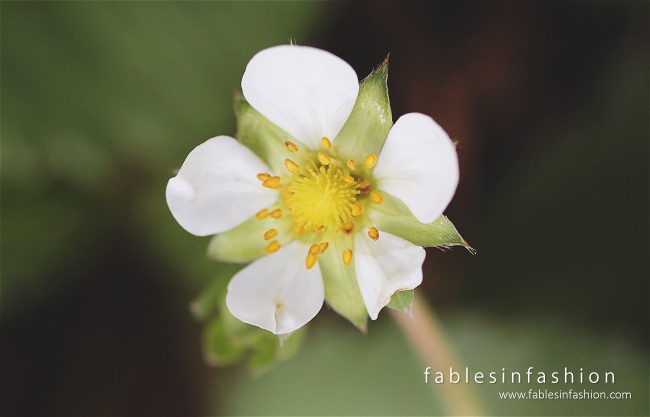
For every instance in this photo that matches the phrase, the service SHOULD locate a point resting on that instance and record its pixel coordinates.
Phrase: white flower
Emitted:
(327, 199)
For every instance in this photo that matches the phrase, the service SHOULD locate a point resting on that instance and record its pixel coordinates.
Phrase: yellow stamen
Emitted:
(323, 158)
(326, 143)
(313, 249)
(311, 261)
(364, 187)
(370, 160)
(276, 214)
(348, 178)
(291, 146)
(347, 257)
(376, 197)
(347, 228)
(318, 228)
(319, 197)
(270, 234)
(298, 228)
(356, 209)
(351, 164)
(273, 183)
(263, 177)
(262, 214)
(373, 233)
(322, 247)
(291, 166)
(273, 247)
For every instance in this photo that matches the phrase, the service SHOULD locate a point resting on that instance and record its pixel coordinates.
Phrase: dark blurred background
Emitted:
(102, 101)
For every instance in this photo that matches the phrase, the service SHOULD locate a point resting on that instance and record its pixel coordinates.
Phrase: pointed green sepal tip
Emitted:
(394, 217)
(402, 302)
(371, 119)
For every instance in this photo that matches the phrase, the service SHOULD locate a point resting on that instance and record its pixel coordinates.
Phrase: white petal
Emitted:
(418, 164)
(384, 266)
(217, 187)
(306, 91)
(277, 292)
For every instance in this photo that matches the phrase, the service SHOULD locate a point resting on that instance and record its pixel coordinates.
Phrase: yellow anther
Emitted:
(376, 197)
(273, 183)
(313, 249)
(323, 158)
(311, 261)
(286, 193)
(348, 178)
(347, 257)
(263, 177)
(322, 247)
(347, 228)
(291, 146)
(370, 160)
(318, 228)
(298, 228)
(356, 209)
(351, 164)
(273, 247)
(326, 143)
(262, 214)
(276, 214)
(291, 166)
(270, 234)
(373, 233)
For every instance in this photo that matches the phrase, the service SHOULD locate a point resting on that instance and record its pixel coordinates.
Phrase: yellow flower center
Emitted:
(320, 197)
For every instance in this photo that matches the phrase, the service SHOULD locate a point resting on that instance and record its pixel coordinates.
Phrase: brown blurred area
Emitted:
(494, 75)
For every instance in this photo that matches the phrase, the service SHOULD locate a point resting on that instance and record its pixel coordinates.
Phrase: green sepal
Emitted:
(228, 341)
(371, 119)
(402, 301)
(208, 301)
(269, 349)
(212, 299)
(220, 348)
(342, 291)
(394, 217)
(244, 243)
(263, 137)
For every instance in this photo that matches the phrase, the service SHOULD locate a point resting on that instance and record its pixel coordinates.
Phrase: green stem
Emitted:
(425, 333)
